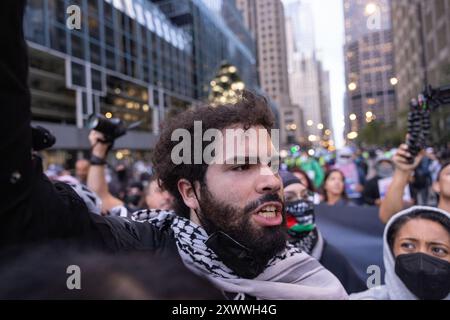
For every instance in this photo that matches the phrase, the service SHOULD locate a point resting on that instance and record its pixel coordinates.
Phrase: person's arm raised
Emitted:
(96, 177)
(393, 202)
(15, 140)
(33, 209)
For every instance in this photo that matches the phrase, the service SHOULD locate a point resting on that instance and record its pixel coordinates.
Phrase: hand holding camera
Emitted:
(104, 133)
(99, 147)
(402, 162)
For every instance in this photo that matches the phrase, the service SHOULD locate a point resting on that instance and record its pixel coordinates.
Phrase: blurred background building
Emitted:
(218, 34)
(308, 81)
(369, 64)
(147, 60)
(265, 19)
(421, 36)
(132, 59)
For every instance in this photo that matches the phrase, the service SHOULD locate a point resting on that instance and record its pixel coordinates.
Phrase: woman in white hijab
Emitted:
(416, 257)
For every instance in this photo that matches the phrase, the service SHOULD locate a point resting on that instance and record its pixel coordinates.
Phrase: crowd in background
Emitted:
(349, 176)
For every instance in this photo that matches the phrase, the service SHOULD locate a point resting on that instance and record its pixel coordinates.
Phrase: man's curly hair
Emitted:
(250, 110)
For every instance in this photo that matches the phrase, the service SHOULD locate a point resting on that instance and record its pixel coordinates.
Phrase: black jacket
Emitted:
(333, 260)
(34, 210)
(371, 191)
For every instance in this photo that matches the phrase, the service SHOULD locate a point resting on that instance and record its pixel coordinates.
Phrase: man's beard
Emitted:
(263, 242)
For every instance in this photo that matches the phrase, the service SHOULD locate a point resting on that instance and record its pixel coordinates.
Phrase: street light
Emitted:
(312, 138)
(320, 126)
(283, 153)
(370, 9)
(352, 117)
(291, 127)
(309, 123)
(394, 81)
(352, 86)
(352, 135)
(369, 114)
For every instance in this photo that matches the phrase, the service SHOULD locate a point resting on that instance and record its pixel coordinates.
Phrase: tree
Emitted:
(377, 133)
(225, 87)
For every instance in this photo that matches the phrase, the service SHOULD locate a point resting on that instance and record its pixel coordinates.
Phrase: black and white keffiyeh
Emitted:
(292, 274)
(92, 201)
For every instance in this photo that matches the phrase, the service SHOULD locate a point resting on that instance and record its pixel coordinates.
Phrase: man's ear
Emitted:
(186, 189)
(436, 187)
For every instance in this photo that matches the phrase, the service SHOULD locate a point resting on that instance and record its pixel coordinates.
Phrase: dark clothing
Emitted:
(34, 210)
(341, 203)
(334, 261)
(371, 191)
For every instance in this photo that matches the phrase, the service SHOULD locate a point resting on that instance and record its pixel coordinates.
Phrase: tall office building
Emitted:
(369, 63)
(421, 36)
(308, 82)
(265, 18)
(135, 60)
(325, 97)
(301, 16)
(218, 35)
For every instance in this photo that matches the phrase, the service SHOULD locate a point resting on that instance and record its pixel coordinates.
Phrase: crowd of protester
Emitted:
(209, 230)
(135, 187)
(351, 176)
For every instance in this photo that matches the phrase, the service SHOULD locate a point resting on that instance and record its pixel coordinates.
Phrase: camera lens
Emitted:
(93, 122)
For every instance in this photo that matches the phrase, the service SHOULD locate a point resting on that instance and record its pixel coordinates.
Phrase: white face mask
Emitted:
(342, 160)
(385, 171)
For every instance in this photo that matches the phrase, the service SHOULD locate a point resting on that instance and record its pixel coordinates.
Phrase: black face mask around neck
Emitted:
(235, 256)
(427, 277)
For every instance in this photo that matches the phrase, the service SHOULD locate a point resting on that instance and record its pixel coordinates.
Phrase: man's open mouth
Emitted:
(268, 214)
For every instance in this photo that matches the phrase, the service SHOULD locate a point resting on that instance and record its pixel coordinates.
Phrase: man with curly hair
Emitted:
(228, 225)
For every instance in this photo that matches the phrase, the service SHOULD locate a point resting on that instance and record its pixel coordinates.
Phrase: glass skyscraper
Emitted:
(218, 35)
(138, 60)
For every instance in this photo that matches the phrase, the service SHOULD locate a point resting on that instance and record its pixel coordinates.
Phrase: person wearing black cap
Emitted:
(303, 233)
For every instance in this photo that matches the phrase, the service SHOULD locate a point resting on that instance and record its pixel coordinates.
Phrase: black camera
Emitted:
(41, 138)
(112, 128)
